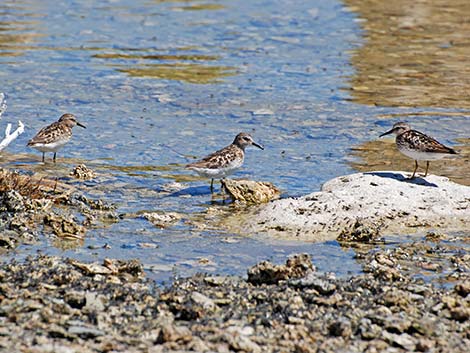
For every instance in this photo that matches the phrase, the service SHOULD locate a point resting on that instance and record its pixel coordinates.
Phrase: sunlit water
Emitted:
(159, 82)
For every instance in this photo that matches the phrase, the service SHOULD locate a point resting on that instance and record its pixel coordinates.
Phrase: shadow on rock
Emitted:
(401, 177)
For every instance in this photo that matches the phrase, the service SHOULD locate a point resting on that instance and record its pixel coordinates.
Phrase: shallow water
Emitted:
(158, 83)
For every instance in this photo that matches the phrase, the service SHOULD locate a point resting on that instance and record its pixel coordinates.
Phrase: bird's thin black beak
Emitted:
(259, 146)
(387, 133)
(81, 125)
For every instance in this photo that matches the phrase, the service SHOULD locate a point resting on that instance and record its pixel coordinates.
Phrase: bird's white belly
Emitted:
(218, 173)
(423, 156)
(50, 147)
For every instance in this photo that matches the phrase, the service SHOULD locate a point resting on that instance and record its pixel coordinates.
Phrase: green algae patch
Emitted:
(185, 72)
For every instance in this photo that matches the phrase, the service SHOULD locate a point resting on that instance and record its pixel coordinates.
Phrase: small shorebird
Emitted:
(53, 137)
(225, 161)
(418, 146)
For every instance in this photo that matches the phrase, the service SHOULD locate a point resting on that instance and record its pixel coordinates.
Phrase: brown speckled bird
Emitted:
(225, 161)
(416, 145)
(53, 137)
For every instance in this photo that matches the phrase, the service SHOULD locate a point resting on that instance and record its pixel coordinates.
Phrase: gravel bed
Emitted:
(53, 304)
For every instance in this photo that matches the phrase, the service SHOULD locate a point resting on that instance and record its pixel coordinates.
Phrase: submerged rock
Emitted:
(64, 227)
(33, 205)
(250, 191)
(384, 202)
(162, 219)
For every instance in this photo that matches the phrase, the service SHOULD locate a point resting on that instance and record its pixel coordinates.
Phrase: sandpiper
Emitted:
(225, 161)
(416, 145)
(53, 137)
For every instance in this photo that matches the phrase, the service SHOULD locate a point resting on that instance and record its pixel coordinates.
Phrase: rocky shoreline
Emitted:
(53, 304)
(31, 206)
(410, 297)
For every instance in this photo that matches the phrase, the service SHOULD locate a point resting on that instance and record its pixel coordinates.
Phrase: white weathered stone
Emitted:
(386, 200)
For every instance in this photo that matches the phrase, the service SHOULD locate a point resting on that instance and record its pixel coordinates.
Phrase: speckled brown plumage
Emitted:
(415, 140)
(220, 159)
(53, 137)
(51, 133)
(226, 160)
(416, 145)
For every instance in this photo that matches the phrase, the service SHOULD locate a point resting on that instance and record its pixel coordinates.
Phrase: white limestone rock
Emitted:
(384, 200)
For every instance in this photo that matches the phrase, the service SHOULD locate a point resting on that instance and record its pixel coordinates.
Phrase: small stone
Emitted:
(404, 340)
(425, 345)
(312, 280)
(341, 328)
(64, 227)
(361, 231)
(265, 272)
(215, 280)
(85, 332)
(204, 301)
(81, 171)
(249, 191)
(460, 313)
(240, 342)
(162, 220)
(75, 299)
(396, 324)
(263, 111)
(368, 330)
(463, 288)
(435, 237)
(94, 302)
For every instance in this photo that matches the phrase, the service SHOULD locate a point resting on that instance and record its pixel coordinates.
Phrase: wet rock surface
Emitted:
(249, 191)
(265, 272)
(162, 219)
(364, 206)
(81, 171)
(32, 206)
(61, 305)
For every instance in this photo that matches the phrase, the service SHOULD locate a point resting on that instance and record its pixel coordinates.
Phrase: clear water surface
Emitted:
(159, 82)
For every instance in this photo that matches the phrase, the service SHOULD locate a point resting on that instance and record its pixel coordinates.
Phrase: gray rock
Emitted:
(162, 219)
(313, 280)
(265, 272)
(404, 340)
(202, 300)
(341, 328)
(84, 331)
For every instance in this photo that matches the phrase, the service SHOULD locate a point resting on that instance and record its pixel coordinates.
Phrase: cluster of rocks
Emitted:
(30, 206)
(52, 304)
(58, 305)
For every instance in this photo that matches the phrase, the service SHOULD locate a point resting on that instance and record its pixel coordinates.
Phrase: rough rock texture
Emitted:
(162, 219)
(30, 205)
(81, 171)
(265, 272)
(250, 191)
(381, 202)
(51, 304)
